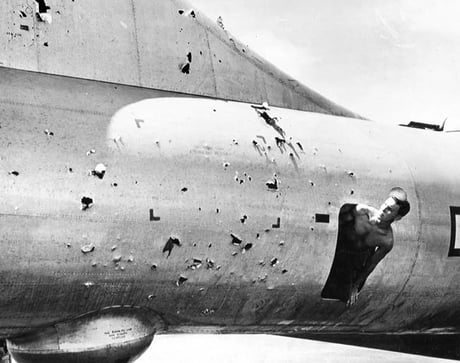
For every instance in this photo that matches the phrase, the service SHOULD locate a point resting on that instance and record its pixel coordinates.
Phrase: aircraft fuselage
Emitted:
(209, 213)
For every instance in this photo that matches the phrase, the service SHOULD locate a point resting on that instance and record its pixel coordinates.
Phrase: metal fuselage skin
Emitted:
(196, 170)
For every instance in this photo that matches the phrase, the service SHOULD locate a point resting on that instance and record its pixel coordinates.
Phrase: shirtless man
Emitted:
(372, 232)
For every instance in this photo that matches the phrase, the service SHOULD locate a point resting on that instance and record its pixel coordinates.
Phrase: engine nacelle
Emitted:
(111, 335)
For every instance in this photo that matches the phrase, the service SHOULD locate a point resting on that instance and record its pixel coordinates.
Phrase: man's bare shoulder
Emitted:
(365, 209)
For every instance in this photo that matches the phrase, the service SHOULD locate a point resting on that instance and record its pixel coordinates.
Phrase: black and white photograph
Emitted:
(229, 181)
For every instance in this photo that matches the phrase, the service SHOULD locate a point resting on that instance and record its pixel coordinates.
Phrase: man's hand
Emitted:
(353, 296)
(375, 219)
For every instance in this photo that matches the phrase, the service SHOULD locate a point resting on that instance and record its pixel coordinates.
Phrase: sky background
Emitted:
(391, 61)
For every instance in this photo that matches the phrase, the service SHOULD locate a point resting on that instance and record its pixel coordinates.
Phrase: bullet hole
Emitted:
(194, 245)
(300, 146)
(243, 50)
(42, 7)
(271, 121)
(236, 241)
(249, 178)
(89, 152)
(284, 271)
(94, 264)
(217, 210)
(278, 223)
(350, 173)
(117, 258)
(226, 165)
(172, 241)
(199, 208)
(189, 57)
(220, 22)
(185, 68)
(24, 27)
(13, 172)
(184, 190)
(150, 297)
(352, 192)
(152, 216)
(114, 247)
(86, 202)
(241, 181)
(267, 230)
(272, 184)
(22, 14)
(99, 171)
(329, 203)
(68, 245)
(195, 265)
(273, 262)
(323, 167)
(294, 162)
(281, 243)
(234, 254)
(243, 219)
(181, 280)
(262, 263)
(258, 235)
(210, 264)
(153, 267)
(130, 258)
(114, 185)
(312, 228)
(45, 44)
(247, 247)
(201, 53)
(88, 284)
(181, 12)
(235, 142)
(208, 311)
(280, 143)
(88, 248)
(311, 183)
(220, 60)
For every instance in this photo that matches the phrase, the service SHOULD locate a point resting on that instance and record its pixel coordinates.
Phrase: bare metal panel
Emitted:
(154, 44)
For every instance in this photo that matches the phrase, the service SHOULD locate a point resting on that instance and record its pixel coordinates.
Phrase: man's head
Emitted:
(395, 207)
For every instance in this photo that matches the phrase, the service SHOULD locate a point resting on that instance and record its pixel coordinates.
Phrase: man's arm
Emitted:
(379, 254)
(372, 263)
(371, 212)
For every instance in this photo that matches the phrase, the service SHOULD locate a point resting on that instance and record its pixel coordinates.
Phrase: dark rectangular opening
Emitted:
(322, 218)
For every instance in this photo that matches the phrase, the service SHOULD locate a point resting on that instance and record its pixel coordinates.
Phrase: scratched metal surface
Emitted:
(46, 277)
(149, 44)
